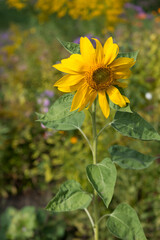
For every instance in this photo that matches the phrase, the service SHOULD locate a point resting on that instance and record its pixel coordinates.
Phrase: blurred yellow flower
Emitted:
(74, 140)
(95, 71)
(18, 4)
(77, 9)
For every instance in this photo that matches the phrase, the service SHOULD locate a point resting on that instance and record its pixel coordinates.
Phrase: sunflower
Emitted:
(95, 71)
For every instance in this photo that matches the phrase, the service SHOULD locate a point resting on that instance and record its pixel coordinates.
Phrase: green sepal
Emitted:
(133, 125)
(129, 159)
(102, 176)
(60, 117)
(124, 223)
(70, 197)
(72, 48)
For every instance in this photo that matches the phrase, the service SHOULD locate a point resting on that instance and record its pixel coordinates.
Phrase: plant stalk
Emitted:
(96, 230)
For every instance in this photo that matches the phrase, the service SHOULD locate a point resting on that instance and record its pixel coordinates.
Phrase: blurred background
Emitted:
(33, 163)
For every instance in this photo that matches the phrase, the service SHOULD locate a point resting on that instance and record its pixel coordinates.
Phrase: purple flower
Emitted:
(138, 9)
(77, 40)
(5, 39)
(46, 102)
(5, 35)
(49, 93)
(134, 7)
(42, 125)
(45, 109)
(39, 100)
(89, 36)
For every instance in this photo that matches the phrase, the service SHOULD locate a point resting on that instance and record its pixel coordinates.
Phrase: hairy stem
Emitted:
(96, 230)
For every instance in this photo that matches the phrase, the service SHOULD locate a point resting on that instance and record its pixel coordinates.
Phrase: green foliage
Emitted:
(124, 223)
(60, 117)
(70, 197)
(23, 224)
(102, 176)
(30, 223)
(128, 158)
(128, 54)
(29, 154)
(72, 48)
(133, 125)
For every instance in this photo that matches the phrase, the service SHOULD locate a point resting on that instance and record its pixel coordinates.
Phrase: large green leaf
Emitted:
(60, 117)
(128, 54)
(124, 223)
(72, 48)
(70, 197)
(103, 177)
(133, 125)
(128, 158)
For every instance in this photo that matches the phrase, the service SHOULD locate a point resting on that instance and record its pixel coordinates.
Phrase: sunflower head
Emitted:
(96, 71)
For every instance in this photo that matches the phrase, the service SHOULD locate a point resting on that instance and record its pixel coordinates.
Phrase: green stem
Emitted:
(96, 230)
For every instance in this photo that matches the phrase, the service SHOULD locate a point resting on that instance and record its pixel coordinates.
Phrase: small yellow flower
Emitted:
(95, 71)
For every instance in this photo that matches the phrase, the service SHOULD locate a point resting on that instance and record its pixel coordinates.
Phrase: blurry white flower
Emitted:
(148, 96)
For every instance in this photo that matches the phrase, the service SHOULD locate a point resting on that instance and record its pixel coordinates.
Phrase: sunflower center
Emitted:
(101, 75)
(100, 78)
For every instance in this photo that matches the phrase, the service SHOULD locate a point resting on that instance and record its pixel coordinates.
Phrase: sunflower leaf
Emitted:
(133, 125)
(70, 197)
(129, 159)
(72, 48)
(102, 176)
(128, 54)
(124, 223)
(60, 117)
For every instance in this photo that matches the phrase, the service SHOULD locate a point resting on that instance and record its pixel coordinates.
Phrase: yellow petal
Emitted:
(69, 80)
(93, 96)
(110, 51)
(103, 103)
(70, 88)
(73, 65)
(61, 68)
(99, 51)
(87, 50)
(122, 75)
(65, 89)
(79, 96)
(126, 99)
(108, 43)
(74, 62)
(120, 84)
(89, 98)
(115, 96)
(123, 62)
